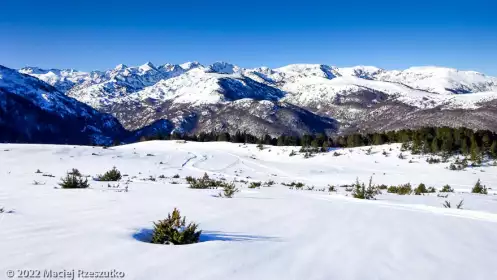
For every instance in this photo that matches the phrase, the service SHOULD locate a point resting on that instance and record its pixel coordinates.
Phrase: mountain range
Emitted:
(70, 106)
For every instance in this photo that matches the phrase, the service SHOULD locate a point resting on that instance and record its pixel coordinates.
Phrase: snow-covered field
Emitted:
(267, 233)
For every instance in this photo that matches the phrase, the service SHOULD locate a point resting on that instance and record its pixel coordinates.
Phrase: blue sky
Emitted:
(100, 34)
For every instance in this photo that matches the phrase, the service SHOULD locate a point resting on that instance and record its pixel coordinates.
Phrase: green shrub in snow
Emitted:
(479, 188)
(72, 181)
(447, 188)
(174, 230)
(111, 175)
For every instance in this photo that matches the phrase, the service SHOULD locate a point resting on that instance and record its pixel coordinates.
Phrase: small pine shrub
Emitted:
(361, 192)
(38, 171)
(72, 181)
(260, 146)
(479, 188)
(332, 188)
(254, 185)
(268, 183)
(431, 190)
(174, 230)
(447, 188)
(189, 179)
(432, 160)
(176, 176)
(420, 189)
(111, 175)
(382, 187)
(229, 190)
(75, 172)
(298, 185)
(401, 156)
(292, 153)
(392, 189)
(203, 183)
(405, 189)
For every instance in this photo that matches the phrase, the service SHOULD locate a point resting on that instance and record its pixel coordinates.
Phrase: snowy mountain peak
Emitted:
(361, 71)
(147, 66)
(32, 70)
(223, 68)
(309, 70)
(120, 67)
(190, 65)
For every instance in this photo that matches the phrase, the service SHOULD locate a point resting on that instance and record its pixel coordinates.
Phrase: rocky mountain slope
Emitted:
(33, 111)
(295, 99)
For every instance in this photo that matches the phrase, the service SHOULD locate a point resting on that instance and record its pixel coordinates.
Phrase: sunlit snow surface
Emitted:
(267, 233)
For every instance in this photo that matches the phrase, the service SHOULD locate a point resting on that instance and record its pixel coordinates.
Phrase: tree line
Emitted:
(475, 143)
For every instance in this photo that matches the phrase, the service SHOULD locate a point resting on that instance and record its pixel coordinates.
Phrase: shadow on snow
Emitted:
(145, 235)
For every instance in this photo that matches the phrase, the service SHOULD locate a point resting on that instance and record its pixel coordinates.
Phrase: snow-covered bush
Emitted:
(174, 230)
(72, 181)
(479, 188)
(111, 175)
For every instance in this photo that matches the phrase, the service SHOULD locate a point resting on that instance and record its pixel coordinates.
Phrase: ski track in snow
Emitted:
(266, 233)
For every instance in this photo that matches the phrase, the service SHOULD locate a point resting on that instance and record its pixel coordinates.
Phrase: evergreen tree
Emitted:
(493, 149)
(434, 146)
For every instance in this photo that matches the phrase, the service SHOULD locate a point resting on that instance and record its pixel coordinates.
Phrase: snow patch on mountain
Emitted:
(223, 68)
(441, 80)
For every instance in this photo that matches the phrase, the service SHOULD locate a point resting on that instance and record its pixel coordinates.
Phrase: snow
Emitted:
(306, 84)
(196, 86)
(440, 80)
(267, 233)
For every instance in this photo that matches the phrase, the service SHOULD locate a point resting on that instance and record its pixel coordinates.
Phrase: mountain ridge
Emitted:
(191, 97)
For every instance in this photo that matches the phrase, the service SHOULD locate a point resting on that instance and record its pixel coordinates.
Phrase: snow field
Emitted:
(266, 233)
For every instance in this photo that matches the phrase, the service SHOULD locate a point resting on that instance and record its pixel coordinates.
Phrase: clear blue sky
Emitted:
(100, 34)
